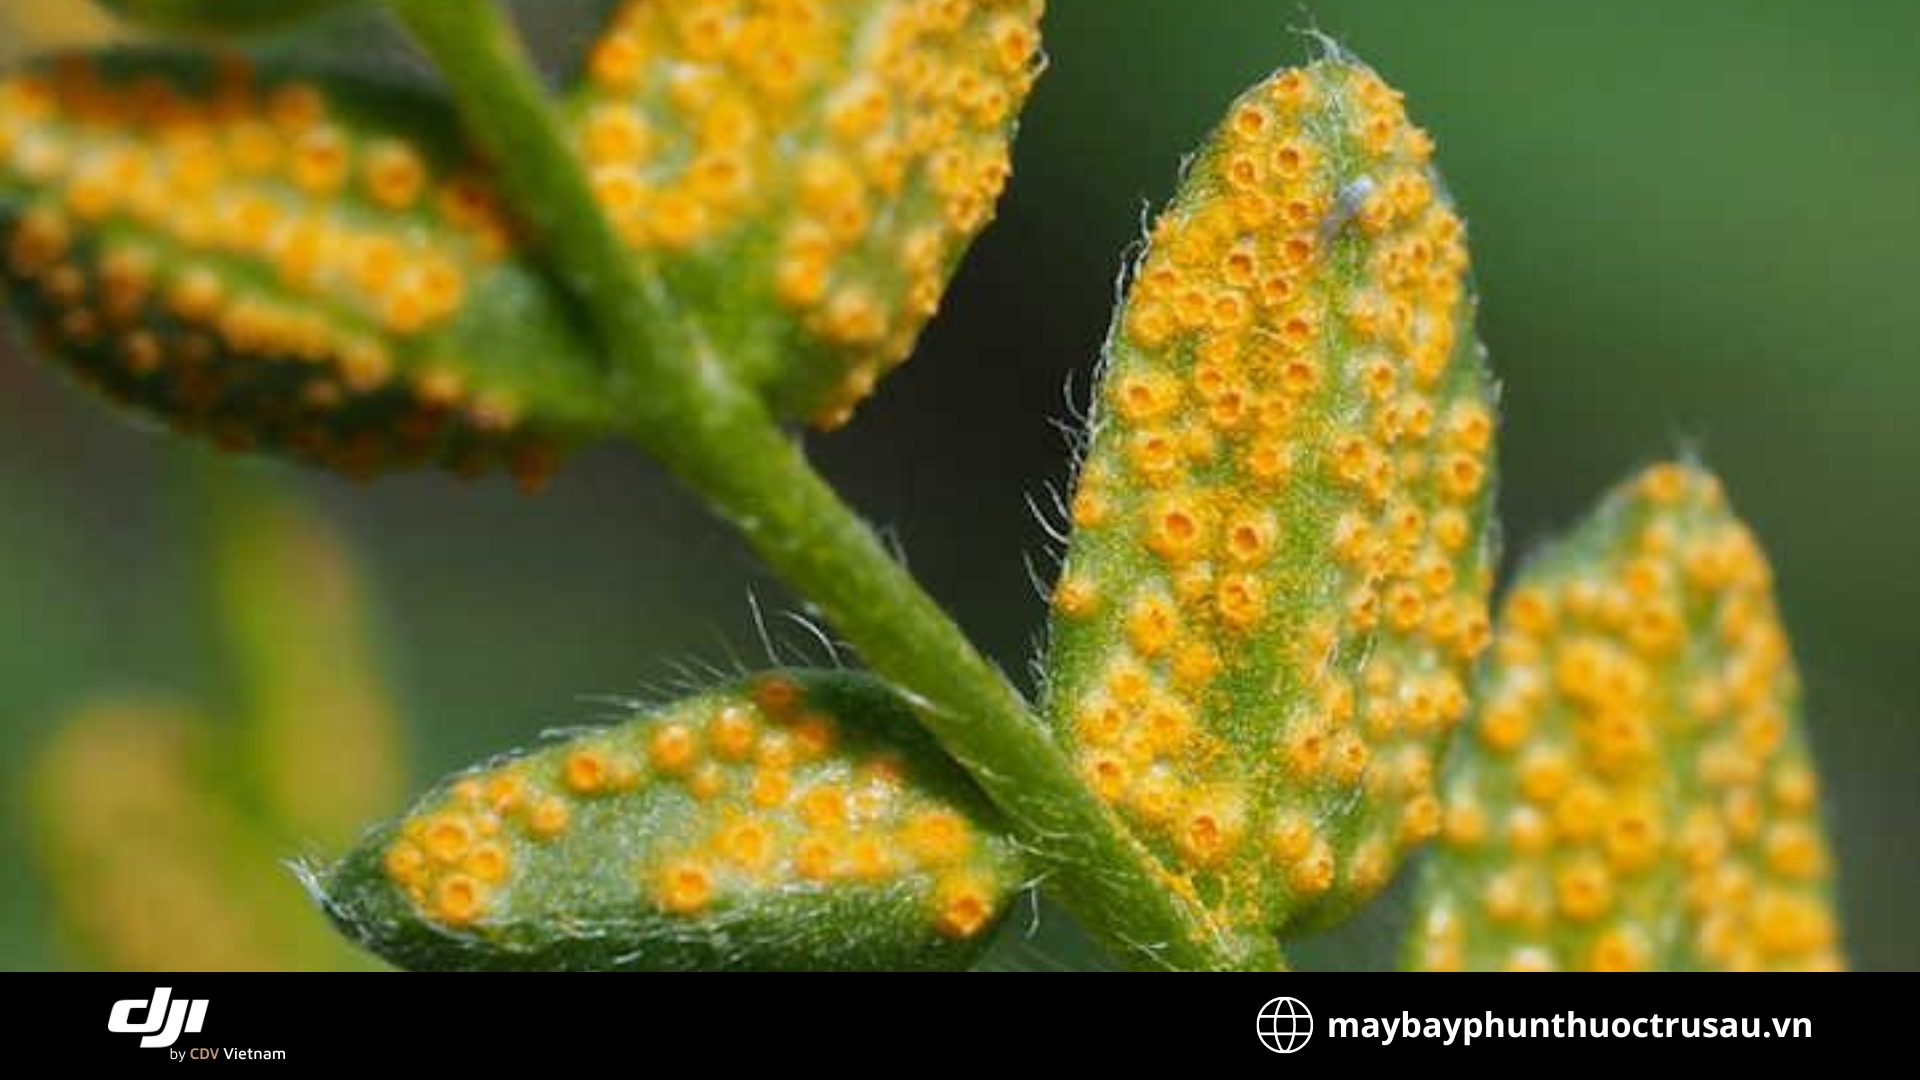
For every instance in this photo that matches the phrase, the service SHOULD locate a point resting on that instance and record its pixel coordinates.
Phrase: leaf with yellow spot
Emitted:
(804, 175)
(797, 819)
(151, 868)
(220, 16)
(1635, 790)
(304, 265)
(1276, 584)
(319, 725)
(29, 28)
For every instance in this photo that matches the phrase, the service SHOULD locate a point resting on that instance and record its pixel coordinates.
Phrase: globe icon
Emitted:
(1285, 1025)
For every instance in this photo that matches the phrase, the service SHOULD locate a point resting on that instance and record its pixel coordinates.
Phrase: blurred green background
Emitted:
(1694, 226)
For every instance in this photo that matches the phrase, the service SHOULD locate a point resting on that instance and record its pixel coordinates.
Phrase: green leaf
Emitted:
(797, 819)
(1277, 577)
(1636, 791)
(150, 867)
(304, 265)
(805, 176)
(220, 16)
(165, 837)
(318, 724)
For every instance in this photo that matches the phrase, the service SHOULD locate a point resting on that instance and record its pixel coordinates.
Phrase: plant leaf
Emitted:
(1637, 791)
(794, 820)
(151, 868)
(26, 29)
(318, 723)
(1279, 564)
(220, 16)
(303, 265)
(805, 176)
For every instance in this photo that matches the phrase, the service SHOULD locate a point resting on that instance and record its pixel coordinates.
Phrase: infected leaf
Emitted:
(795, 820)
(1280, 556)
(302, 265)
(1635, 791)
(805, 175)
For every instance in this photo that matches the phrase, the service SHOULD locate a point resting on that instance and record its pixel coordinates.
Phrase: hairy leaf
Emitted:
(219, 16)
(303, 265)
(1280, 557)
(1636, 791)
(151, 866)
(805, 174)
(795, 820)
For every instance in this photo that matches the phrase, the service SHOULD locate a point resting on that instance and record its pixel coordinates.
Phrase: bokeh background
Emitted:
(1694, 226)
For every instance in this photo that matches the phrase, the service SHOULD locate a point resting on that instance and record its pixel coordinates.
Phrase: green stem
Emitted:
(719, 439)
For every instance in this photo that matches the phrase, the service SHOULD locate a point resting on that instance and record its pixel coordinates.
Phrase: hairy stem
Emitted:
(719, 439)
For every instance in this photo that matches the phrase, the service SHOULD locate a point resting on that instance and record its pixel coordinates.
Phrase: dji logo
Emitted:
(162, 1025)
